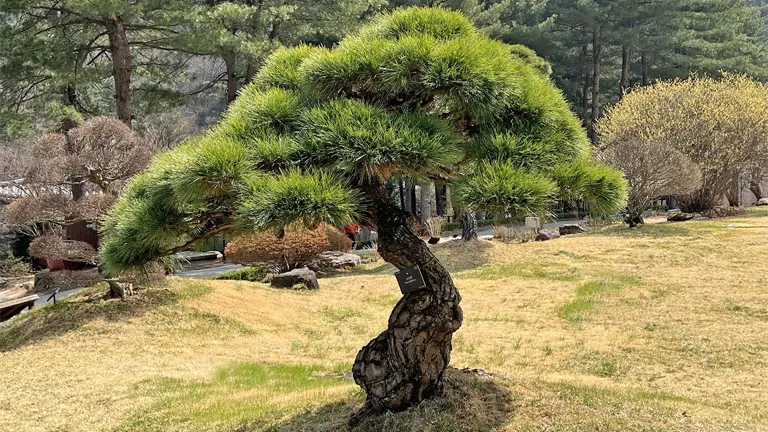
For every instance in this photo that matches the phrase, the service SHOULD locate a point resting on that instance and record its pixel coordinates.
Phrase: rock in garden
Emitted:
(302, 276)
(762, 202)
(42, 281)
(571, 229)
(680, 217)
(334, 260)
(547, 235)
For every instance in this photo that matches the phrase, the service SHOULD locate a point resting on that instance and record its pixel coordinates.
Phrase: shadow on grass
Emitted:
(471, 403)
(459, 255)
(654, 230)
(74, 312)
(251, 397)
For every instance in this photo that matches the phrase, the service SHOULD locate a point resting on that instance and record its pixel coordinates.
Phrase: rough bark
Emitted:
(122, 66)
(468, 222)
(644, 66)
(229, 62)
(406, 363)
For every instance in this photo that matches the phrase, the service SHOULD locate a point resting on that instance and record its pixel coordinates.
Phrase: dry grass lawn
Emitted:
(660, 328)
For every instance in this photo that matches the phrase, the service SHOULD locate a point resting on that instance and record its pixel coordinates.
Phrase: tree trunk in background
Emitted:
(401, 190)
(468, 222)
(626, 66)
(230, 63)
(587, 85)
(441, 193)
(754, 183)
(409, 197)
(406, 363)
(426, 200)
(597, 54)
(122, 67)
(644, 65)
(733, 193)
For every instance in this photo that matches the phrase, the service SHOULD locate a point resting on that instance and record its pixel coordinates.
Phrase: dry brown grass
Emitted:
(664, 327)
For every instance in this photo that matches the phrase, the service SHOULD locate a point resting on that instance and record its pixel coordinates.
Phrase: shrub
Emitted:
(652, 169)
(434, 226)
(338, 240)
(250, 274)
(53, 247)
(11, 266)
(296, 248)
(720, 125)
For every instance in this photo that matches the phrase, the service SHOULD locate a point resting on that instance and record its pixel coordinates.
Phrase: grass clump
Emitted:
(250, 274)
(588, 295)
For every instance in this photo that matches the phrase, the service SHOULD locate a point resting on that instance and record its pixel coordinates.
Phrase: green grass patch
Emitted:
(526, 271)
(589, 295)
(235, 396)
(250, 274)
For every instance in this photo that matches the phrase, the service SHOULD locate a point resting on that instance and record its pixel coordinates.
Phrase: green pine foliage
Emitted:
(419, 93)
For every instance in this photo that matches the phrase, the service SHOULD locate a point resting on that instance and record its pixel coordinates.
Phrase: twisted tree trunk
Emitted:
(406, 363)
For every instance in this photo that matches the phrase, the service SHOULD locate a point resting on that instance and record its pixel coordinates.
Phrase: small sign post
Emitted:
(533, 222)
(410, 280)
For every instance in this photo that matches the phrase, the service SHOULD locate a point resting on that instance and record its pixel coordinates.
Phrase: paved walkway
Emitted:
(43, 300)
(487, 232)
(208, 271)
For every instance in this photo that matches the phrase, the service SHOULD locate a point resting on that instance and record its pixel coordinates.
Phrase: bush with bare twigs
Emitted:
(53, 247)
(296, 248)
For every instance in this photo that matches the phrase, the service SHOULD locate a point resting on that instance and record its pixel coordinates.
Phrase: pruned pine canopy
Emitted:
(419, 93)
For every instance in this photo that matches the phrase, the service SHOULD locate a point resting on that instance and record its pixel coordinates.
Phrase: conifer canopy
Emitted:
(418, 93)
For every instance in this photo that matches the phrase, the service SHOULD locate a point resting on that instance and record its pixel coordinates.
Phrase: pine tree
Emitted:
(243, 33)
(69, 51)
(317, 134)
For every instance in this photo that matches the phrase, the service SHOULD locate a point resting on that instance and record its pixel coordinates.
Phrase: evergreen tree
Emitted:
(599, 49)
(420, 94)
(69, 52)
(243, 33)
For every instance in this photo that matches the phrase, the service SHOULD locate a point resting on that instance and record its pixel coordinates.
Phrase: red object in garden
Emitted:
(58, 265)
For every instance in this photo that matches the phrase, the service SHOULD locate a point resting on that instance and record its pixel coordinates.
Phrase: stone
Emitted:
(3, 283)
(571, 229)
(42, 281)
(334, 260)
(547, 235)
(762, 202)
(302, 276)
(680, 217)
